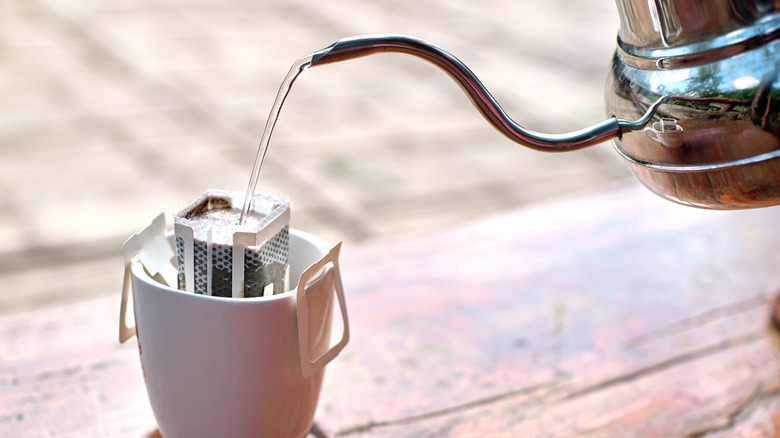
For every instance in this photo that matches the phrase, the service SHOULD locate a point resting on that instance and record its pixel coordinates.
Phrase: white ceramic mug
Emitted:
(231, 367)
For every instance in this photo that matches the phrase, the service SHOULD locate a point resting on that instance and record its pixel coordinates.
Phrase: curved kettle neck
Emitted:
(355, 47)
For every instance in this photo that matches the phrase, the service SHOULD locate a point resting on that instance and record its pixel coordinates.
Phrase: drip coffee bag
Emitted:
(210, 244)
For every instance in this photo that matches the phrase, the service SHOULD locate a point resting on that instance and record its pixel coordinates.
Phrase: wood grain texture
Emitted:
(615, 315)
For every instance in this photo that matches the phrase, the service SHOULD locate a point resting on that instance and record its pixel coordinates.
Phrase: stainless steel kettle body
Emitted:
(714, 142)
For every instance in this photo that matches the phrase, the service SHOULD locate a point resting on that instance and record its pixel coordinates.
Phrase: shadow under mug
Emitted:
(238, 367)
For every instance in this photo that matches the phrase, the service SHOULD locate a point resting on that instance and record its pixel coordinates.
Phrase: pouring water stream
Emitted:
(297, 68)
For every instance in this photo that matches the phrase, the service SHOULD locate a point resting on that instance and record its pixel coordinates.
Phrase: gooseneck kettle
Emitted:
(693, 90)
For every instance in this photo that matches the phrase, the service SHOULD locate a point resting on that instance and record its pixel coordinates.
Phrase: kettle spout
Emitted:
(355, 47)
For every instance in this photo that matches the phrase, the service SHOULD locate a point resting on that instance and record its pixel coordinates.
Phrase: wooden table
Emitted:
(614, 315)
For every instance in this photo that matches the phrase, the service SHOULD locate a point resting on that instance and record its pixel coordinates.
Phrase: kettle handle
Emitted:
(355, 47)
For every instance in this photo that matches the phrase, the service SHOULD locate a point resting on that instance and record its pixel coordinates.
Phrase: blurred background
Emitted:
(111, 112)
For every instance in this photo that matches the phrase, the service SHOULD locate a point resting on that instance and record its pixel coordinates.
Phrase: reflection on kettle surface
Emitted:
(667, 132)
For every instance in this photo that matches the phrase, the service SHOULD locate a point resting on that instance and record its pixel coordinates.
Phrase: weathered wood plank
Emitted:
(63, 373)
(578, 304)
(613, 315)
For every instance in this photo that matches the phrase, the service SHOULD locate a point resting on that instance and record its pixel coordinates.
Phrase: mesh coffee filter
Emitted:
(210, 242)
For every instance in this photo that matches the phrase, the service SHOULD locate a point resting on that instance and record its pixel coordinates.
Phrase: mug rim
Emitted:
(140, 273)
